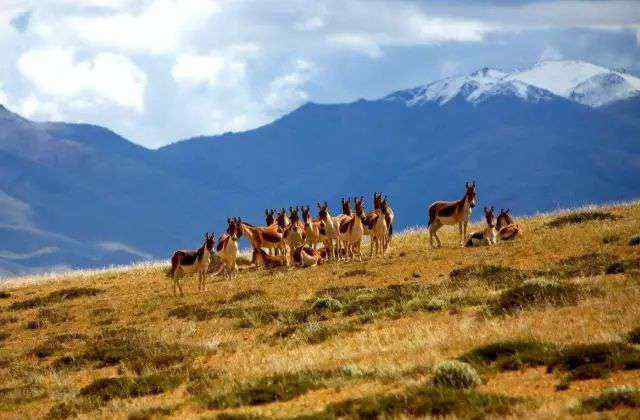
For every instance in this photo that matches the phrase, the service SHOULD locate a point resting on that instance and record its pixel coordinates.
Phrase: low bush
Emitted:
(611, 399)
(268, 389)
(511, 355)
(537, 292)
(495, 276)
(106, 389)
(56, 297)
(580, 217)
(423, 401)
(455, 374)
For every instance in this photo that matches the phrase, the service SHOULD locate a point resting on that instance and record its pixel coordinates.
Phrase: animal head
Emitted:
(323, 211)
(488, 214)
(234, 228)
(282, 218)
(295, 217)
(208, 241)
(346, 206)
(377, 201)
(384, 205)
(470, 194)
(270, 217)
(504, 218)
(359, 206)
(306, 215)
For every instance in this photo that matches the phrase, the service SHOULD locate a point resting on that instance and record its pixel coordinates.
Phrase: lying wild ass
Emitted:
(261, 259)
(486, 236)
(452, 213)
(305, 256)
(265, 237)
(507, 228)
(186, 261)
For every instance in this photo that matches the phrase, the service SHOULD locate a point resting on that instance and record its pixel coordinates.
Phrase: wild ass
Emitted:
(305, 256)
(374, 224)
(452, 213)
(227, 248)
(188, 261)
(507, 228)
(315, 231)
(265, 237)
(389, 217)
(331, 226)
(351, 231)
(261, 259)
(294, 233)
(269, 216)
(486, 236)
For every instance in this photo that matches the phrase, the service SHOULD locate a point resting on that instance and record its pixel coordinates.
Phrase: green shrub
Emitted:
(106, 389)
(56, 297)
(580, 217)
(246, 295)
(610, 399)
(537, 292)
(511, 355)
(424, 401)
(455, 374)
(327, 303)
(495, 276)
(268, 389)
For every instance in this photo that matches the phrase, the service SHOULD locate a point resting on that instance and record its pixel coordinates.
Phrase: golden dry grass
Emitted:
(214, 351)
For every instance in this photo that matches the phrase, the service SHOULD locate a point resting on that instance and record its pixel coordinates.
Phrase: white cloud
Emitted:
(310, 24)
(288, 91)
(164, 26)
(214, 69)
(361, 43)
(106, 77)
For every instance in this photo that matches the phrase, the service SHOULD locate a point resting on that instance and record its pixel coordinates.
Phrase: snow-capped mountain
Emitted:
(578, 81)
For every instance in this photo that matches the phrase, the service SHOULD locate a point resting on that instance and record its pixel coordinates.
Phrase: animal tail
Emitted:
(390, 230)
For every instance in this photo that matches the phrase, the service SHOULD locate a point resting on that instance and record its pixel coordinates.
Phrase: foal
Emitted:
(487, 236)
(452, 213)
(507, 228)
(189, 261)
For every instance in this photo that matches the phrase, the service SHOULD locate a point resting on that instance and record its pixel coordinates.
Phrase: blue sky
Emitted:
(160, 70)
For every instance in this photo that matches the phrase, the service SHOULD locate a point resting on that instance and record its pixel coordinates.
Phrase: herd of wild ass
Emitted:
(297, 238)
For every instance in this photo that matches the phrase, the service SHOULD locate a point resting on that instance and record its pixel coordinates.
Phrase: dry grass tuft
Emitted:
(611, 399)
(56, 297)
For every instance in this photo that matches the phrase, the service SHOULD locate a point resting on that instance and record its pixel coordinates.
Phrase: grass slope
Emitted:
(549, 321)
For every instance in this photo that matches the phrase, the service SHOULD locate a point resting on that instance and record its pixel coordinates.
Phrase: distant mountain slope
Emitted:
(77, 195)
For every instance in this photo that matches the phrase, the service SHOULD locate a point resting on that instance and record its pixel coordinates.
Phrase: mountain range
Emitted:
(561, 133)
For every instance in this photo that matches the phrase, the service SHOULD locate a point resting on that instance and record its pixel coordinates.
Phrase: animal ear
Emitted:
(491, 209)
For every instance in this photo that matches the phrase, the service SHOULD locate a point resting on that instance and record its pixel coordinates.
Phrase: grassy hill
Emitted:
(546, 321)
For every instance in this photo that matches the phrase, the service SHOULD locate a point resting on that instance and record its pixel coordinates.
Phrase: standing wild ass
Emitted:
(186, 261)
(227, 248)
(452, 213)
